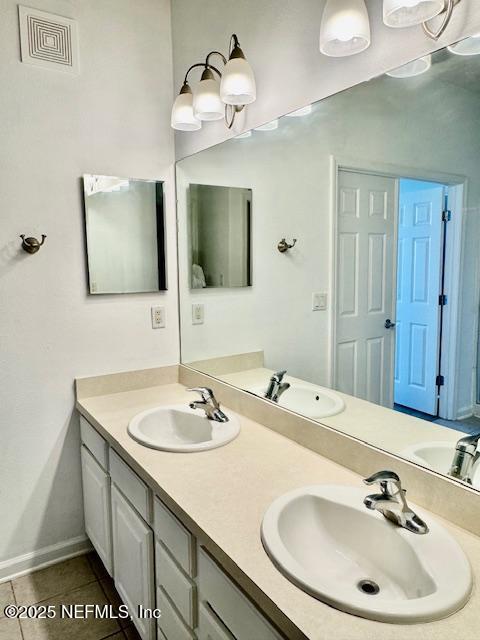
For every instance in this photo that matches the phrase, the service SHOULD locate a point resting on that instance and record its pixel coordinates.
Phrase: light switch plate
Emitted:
(158, 317)
(198, 314)
(319, 301)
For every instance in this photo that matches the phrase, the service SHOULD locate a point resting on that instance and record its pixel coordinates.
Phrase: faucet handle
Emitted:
(389, 482)
(279, 375)
(205, 393)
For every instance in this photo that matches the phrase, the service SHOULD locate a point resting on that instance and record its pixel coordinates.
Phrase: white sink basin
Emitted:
(329, 544)
(438, 456)
(181, 429)
(312, 402)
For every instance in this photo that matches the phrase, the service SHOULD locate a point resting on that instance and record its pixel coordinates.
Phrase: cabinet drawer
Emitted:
(175, 537)
(180, 589)
(210, 627)
(130, 485)
(94, 442)
(234, 609)
(170, 623)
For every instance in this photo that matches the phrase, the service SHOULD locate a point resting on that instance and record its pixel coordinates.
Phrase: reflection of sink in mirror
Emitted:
(312, 402)
(181, 429)
(329, 544)
(438, 456)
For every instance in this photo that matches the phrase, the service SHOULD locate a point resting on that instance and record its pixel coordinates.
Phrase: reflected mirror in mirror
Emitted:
(373, 314)
(125, 232)
(220, 223)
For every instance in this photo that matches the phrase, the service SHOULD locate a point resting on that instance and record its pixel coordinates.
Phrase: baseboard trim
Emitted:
(21, 565)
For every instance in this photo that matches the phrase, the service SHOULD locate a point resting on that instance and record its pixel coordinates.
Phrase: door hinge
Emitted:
(442, 300)
(440, 381)
(446, 216)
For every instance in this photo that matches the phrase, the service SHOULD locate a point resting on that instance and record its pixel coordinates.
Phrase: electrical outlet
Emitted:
(198, 314)
(158, 317)
(319, 301)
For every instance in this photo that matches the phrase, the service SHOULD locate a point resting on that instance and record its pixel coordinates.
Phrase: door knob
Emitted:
(389, 324)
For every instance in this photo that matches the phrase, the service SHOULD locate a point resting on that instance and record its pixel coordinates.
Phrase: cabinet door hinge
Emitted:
(440, 381)
(442, 300)
(446, 216)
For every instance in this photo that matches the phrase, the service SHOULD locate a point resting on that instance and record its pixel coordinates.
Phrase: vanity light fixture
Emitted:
(218, 94)
(412, 69)
(408, 13)
(269, 126)
(345, 28)
(468, 47)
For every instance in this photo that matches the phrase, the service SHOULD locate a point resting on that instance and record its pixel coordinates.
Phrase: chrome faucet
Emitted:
(276, 386)
(209, 404)
(392, 503)
(467, 452)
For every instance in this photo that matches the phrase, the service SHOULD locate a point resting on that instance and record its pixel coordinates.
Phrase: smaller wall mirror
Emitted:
(220, 236)
(125, 231)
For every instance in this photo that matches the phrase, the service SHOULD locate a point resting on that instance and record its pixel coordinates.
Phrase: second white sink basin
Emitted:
(181, 429)
(439, 457)
(312, 402)
(329, 544)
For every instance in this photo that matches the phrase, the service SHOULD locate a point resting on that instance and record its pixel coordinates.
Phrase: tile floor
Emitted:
(81, 580)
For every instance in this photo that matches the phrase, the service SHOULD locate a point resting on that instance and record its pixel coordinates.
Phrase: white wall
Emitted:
(280, 40)
(428, 127)
(112, 119)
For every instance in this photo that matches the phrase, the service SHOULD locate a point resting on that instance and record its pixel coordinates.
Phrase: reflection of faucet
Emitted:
(276, 387)
(467, 452)
(392, 503)
(209, 404)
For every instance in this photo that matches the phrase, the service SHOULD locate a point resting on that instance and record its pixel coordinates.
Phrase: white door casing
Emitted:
(365, 285)
(418, 290)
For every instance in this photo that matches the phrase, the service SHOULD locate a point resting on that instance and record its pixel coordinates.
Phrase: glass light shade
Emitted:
(238, 83)
(407, 13)
(241, 136)
(468, 47)
(411, 69)
(345, 28)
(183, 118)
(299, 113)
(206, 100)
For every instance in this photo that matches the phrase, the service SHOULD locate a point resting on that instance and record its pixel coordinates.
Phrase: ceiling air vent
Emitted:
(48, 40)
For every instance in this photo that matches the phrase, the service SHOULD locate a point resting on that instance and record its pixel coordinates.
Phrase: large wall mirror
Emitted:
(373, 313)
(125, 232)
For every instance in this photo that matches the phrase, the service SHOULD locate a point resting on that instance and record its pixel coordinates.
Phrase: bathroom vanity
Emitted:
(181, 531)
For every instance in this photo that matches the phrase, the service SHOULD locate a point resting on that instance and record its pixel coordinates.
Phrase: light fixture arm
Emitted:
(448, 11)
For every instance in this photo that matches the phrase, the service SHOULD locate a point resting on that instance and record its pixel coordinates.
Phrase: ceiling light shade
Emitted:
(303, 111)
(407, 13)
(345, 28)
(207, 104)
(468, 47)
(411, 69)
(270, 126)
(183, 118)
(238, 82)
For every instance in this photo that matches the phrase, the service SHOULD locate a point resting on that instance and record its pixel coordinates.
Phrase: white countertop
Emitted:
(226, 491)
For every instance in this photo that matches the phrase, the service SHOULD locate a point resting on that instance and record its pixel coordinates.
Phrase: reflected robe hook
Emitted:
(283, 245)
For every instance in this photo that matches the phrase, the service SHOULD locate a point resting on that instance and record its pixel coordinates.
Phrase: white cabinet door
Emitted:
(96, 500)
(133, 561)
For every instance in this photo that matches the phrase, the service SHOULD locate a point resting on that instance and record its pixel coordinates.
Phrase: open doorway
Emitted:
(398, 245)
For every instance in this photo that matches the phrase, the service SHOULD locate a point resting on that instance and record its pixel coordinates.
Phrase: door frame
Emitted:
(458, 188)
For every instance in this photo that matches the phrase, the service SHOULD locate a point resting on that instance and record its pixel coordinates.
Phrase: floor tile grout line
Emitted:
(62, 593)
(16, 603)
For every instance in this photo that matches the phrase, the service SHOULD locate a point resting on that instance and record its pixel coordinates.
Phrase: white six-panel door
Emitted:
(365, 286)
(418, 289)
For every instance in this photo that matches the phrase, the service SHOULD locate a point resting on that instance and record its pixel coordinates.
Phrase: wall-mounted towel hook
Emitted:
(32, 245)
(283, 245)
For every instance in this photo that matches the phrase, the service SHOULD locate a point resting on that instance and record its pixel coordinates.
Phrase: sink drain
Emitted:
(369, 587)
